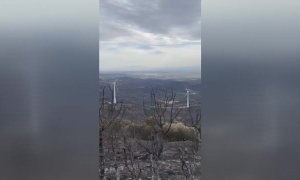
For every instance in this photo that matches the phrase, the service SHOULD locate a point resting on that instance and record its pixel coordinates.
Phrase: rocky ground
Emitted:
(169, 166)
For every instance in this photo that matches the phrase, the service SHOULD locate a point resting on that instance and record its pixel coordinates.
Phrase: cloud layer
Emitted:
(156, 33)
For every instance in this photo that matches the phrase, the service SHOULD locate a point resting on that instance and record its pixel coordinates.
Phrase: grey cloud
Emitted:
(156, 16)
(109, 31)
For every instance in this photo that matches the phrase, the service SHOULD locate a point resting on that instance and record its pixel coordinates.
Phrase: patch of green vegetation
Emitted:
(177, 132)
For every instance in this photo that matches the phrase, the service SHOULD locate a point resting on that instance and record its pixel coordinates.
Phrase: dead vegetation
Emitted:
(161, 146)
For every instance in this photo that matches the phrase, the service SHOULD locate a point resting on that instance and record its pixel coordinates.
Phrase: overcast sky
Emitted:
(154, 34)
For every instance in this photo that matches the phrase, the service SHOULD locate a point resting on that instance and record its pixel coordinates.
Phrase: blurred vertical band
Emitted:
(48, 89)
(250, 81)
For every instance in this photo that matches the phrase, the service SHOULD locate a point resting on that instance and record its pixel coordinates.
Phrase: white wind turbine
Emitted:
(115, 92)
(187, 98)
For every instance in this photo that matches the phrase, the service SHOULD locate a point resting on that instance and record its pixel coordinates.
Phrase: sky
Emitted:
(149, 35)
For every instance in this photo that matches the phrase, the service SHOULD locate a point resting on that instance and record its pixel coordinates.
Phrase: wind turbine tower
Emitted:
(115, 94)
(187, 98)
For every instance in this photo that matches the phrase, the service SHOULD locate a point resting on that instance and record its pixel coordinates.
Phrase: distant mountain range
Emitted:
(170, 73)
(189, 69)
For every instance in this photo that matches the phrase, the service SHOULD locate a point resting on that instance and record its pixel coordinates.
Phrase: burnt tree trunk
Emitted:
(101, 155)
